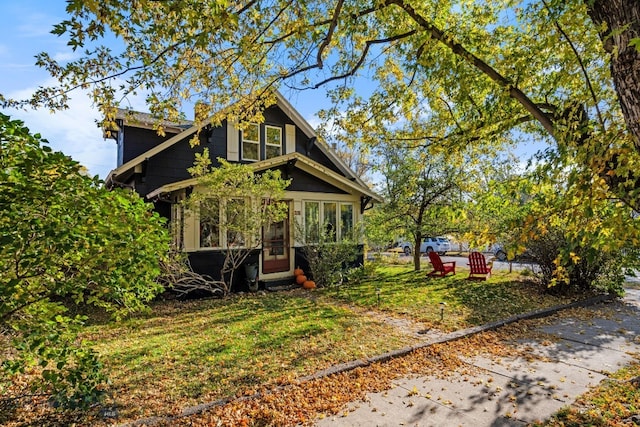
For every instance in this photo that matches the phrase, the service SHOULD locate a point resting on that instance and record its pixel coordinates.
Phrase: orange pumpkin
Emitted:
(309, 284)
(298, 272)
(301, 279)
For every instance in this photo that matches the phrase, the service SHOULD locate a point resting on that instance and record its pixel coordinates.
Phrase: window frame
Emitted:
(268, 144)
(245, 141)
(339, 233)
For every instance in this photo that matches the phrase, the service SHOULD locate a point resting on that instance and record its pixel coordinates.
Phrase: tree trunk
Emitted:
(621, 19)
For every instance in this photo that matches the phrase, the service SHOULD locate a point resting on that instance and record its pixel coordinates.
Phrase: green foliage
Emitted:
(242, 201)
(569, 267)
(329, 261)
(576, 249)
(423, 194)
(65, 241)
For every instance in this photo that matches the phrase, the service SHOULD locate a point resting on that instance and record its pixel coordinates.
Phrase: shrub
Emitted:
(65, 240)
(328, 260)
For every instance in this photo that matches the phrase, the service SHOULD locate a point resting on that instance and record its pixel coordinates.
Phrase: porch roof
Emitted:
(302, 162)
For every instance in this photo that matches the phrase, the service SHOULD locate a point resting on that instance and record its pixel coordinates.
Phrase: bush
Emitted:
(568, 267)
(65, 240)
(329, 260)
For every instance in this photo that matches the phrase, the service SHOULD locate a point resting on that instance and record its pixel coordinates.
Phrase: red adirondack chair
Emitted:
(479, 269)
(440, 268)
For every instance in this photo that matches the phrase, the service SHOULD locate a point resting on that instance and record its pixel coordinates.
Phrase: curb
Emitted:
(349, 366)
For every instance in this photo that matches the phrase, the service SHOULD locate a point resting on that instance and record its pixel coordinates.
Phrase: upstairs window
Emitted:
(251, 142)
(273, 141)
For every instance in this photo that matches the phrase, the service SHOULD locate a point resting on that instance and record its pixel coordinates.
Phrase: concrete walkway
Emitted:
(512, 391)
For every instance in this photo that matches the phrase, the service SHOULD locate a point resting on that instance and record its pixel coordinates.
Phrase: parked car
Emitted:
(402, 246)
(440, 245)
(498, 251)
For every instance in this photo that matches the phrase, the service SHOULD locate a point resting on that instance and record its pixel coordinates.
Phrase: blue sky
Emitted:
(26, 32)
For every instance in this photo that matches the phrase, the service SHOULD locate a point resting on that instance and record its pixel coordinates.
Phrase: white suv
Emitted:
(402, 246)
(440, 245)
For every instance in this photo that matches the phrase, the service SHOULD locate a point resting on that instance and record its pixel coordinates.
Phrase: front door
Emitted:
(275, 247)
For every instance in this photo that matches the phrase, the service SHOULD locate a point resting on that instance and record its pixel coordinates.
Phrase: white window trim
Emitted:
(321, 215)
(223, 229)
(249, 141)
(268, 144)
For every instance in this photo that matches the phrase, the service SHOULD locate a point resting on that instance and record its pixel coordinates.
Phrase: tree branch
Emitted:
(363, 56)
(582, 67)
(329, 36)
(485, 68)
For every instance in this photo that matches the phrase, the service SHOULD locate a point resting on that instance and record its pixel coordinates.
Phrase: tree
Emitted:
(618, 24)
(478, 74)
(66, 242)
(422, 193)
(231, 198)
(533, 214)
(221, 50)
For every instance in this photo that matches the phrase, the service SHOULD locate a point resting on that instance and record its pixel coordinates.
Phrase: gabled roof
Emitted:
(302, 162)
(284, 105)
(147, 121)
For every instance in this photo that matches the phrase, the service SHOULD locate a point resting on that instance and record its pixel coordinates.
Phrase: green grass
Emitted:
(184, 353)
(403, 291)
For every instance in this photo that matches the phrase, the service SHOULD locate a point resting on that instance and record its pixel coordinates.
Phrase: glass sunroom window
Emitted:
(330, 220)
(346, 221)
(236, 211)
(312, 222)
(210, 224)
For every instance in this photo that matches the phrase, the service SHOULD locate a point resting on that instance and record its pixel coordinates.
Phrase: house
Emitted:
(323, 189)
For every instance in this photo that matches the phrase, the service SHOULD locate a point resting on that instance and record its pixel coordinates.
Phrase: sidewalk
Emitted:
(511, 391)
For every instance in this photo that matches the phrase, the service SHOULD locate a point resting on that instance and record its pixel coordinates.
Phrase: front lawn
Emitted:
(186, 353)
(399, 290)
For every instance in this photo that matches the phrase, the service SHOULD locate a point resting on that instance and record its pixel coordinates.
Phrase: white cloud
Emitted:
(36, 25)
(72, 131)
(65, 56)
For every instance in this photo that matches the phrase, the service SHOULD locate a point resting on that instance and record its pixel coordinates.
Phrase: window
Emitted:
(210, 224)
(326, 213)
(312, 221)
(330, 220)
(346, 221)
(223, 223)
(273, 141)
(236, 222)
(251, 142)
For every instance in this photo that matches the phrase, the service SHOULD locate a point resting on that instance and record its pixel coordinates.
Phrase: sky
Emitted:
(26, 32)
